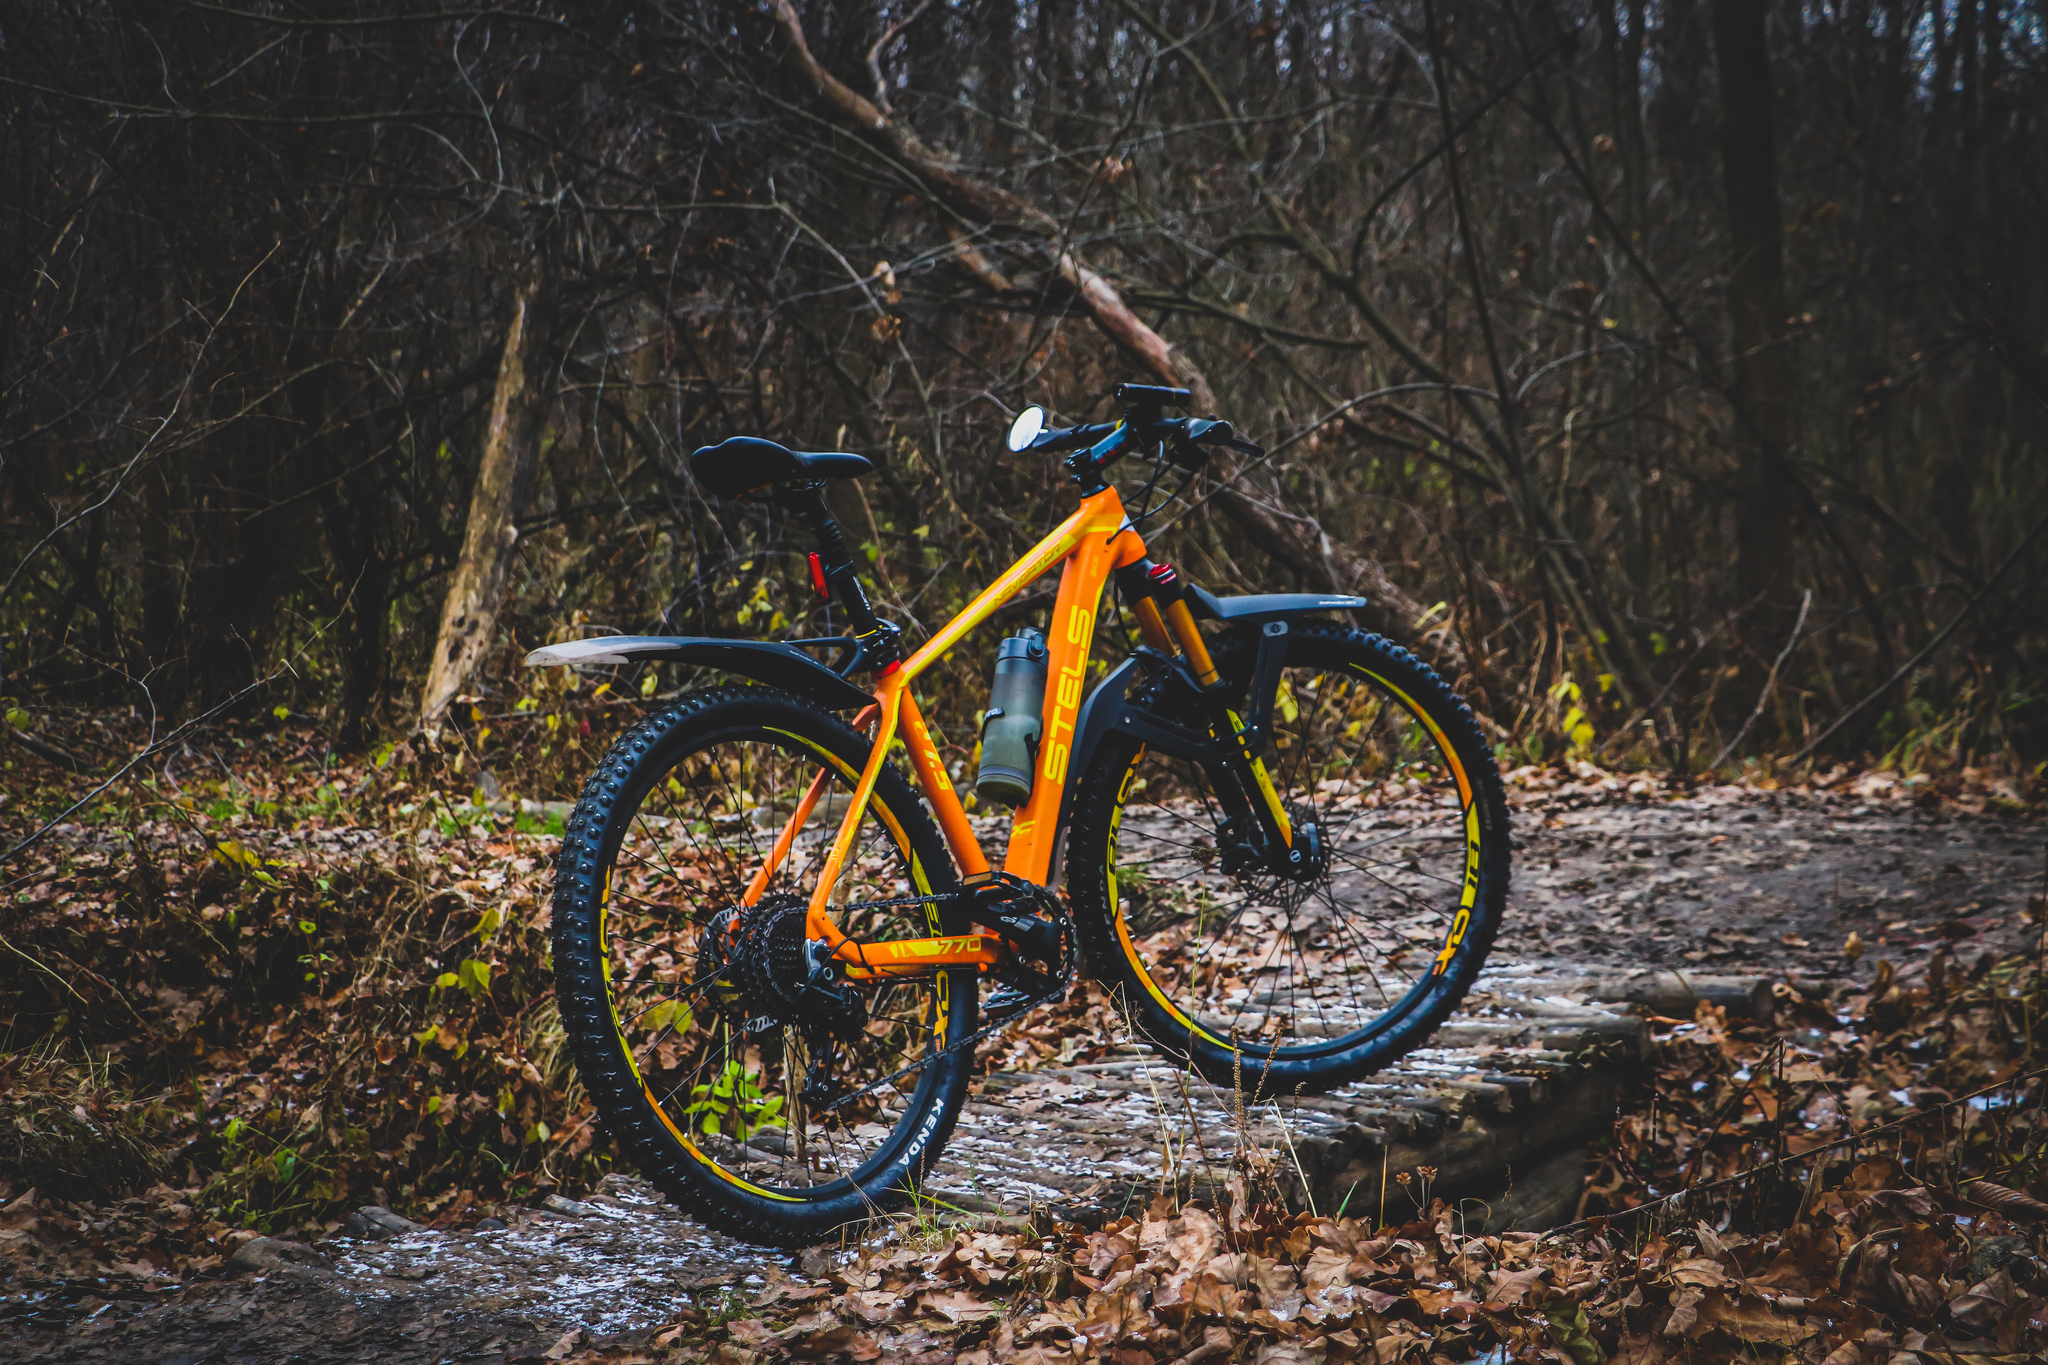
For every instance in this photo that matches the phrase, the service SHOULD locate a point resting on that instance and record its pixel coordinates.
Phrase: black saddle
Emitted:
(741, 464)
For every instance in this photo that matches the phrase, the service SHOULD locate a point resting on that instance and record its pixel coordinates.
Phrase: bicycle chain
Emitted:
(1062, 984)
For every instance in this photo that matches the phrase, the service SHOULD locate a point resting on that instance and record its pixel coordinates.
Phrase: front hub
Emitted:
(1247, 853)
(1307, 860)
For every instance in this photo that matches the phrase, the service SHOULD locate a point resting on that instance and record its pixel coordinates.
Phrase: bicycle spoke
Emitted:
(1309, 959)
(701, 832)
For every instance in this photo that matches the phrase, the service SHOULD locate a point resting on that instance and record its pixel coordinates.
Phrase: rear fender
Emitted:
(767, 661)
(1263, 607)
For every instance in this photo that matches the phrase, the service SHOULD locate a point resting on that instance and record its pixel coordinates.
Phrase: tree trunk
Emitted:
(1765, 385)
(470, 610)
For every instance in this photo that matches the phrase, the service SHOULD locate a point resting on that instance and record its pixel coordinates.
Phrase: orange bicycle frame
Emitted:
(1089, 545)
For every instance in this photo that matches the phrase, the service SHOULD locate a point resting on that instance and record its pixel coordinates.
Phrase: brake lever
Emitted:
(1208, 431)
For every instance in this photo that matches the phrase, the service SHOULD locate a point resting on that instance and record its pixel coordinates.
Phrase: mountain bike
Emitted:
(777, 944)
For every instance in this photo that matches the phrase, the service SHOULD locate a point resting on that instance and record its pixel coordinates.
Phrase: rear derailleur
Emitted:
(772, 975)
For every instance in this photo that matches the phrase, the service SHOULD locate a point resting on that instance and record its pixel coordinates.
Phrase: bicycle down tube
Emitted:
(1091, 543)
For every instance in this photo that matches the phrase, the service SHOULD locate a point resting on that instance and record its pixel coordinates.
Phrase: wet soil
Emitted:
(1609, 884)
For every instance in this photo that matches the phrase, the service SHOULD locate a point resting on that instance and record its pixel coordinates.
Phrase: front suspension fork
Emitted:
(1243, 785)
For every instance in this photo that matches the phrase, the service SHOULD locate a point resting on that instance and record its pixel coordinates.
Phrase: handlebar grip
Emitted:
(1152, 393)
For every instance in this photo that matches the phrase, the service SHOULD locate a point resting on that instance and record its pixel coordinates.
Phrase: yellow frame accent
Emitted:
(1087, 546)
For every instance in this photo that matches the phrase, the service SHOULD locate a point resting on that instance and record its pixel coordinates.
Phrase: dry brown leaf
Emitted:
(1980, 1308)
(1112, 1317)
(782, 1289)
(1699, 1270)
(1685, 1312)
(2010, 1202)
(1292, 1353)
(1513, 1287)
(1328, 1267)
(958, 1305)
(1750, 1319)
(1381, 1302)
(1917, 1296)
(1050, 1326)
(1274, 1279)
(872, 1306)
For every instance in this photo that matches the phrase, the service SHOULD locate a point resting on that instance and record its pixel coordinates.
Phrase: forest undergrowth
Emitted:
(247, 988)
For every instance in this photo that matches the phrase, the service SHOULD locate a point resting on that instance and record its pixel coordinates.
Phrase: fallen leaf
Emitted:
(872, 1306)
(1982, 1306)
(1512, 1288)
(1752, 1320)
(957, 1305)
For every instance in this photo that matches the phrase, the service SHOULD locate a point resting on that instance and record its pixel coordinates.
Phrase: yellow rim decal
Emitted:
(1468, 893)
(1123, 930)
(694, 1150)
(604, 967)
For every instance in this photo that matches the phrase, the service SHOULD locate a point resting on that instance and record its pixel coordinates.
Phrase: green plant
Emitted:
(473, 976)
(733, 1103)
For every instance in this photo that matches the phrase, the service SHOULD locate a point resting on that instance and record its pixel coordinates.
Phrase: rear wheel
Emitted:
(1320, 976)
(680, 1000)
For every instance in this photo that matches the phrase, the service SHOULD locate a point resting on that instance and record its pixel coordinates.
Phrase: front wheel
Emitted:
(679, 980)
(1307, 979)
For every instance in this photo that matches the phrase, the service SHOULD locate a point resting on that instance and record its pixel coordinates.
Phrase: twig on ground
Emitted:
(155, 747)
(43, 749)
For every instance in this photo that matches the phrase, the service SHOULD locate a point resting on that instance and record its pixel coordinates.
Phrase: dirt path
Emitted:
(1615, 895)
(1725, 879)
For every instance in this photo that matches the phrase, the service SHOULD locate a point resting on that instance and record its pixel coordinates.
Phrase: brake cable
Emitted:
(1158, 473)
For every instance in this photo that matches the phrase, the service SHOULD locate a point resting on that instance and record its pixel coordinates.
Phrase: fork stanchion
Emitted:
(1190, 636)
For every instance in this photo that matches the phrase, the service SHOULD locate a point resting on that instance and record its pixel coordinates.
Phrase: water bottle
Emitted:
(1010, 730)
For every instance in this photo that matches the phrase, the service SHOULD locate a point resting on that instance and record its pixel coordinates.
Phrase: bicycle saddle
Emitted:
(740, 464)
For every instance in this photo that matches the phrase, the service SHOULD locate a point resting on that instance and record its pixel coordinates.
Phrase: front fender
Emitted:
(1106, 711)
(768, 661)
(1260, 608)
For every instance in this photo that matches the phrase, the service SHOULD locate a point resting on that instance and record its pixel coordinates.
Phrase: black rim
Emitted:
(1300, 971)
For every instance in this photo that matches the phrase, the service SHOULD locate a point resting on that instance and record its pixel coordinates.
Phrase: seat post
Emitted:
(877, 637)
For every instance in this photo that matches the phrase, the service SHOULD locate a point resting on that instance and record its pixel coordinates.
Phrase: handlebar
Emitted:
(1054, 440)
(1097, 445)
(1156, 394)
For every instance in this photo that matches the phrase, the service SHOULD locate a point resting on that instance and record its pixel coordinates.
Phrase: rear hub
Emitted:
(772, 974)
